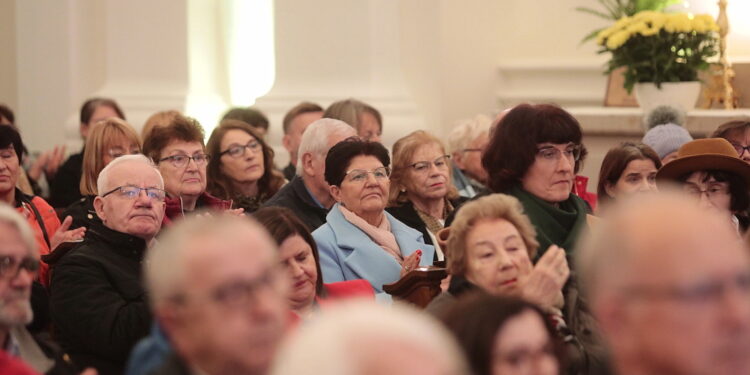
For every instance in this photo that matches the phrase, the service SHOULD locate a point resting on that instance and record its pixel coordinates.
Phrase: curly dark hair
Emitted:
(513, 144)
(340, 157)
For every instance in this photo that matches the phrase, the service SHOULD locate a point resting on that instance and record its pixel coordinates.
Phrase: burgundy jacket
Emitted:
(173, 209)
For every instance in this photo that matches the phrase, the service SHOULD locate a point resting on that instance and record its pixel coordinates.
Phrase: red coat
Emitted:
(359, 288)
(14, 366)
(335, 292)
(579, 189)
(51, 224)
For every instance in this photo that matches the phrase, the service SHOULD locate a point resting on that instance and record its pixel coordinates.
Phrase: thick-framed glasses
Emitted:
(740, 149)
(180, 161)
(10, 267)
(360, 175)
(713, 191)
(238, 151)
(422, 167)
(133, 192)
(116, 152)
(553, 154)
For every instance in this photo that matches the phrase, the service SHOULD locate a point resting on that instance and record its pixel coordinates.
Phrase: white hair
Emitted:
(315, 138)
(9, 216)
(466, 131)
(102, 181)
(342, 337)
(165, 264)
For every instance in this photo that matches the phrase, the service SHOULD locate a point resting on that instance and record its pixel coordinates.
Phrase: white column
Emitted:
(328, 50)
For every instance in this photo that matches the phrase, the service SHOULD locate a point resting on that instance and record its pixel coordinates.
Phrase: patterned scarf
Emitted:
(434, 224)
(381, 234)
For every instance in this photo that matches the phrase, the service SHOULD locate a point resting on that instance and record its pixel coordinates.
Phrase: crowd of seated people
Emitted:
(161, 252)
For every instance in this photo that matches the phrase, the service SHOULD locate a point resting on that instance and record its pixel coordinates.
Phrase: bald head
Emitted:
(669, 284)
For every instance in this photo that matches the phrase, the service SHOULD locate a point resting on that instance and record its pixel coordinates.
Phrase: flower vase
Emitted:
(682, 95)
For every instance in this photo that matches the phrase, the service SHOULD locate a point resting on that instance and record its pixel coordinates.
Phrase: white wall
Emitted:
(424, 63)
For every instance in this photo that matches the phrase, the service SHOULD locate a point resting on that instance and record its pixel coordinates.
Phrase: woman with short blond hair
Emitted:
(422, 194)
(107, 140)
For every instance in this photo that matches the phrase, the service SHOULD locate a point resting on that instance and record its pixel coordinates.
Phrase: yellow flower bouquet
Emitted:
(659, 47)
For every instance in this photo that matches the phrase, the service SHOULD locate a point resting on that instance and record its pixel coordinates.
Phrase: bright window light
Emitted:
(249, 49)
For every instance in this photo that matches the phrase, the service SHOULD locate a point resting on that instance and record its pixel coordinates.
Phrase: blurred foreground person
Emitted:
(363, 338)
(218, 291)
(669, 299)
(19, 265)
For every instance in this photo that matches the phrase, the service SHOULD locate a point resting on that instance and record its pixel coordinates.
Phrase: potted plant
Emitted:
(661, 54)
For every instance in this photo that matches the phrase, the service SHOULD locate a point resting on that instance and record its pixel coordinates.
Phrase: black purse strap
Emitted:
(38, 216)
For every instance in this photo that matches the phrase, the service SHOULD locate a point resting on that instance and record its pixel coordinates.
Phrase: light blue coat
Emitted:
(347, 253)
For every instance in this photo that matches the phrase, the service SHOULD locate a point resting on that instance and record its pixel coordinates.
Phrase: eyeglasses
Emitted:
(180, 161)
(715, 190)
(237, 151)
(440, 163)
(10, 267)
(116, 152)
(701, 292)
(553, 154)
(740, 149)
(238, 294)
(360, 175)
(133, 192)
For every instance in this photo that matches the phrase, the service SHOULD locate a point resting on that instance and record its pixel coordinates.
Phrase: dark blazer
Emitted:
(64, 189)
(295, 196)
(97, 299)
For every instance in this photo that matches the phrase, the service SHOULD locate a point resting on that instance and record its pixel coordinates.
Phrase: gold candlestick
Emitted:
(727, 71)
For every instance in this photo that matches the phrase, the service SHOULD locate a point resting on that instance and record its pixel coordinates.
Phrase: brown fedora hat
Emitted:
(705, 154)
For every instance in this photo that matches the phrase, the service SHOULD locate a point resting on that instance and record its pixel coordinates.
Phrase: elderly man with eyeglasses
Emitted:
(669, 286)
(97, 299)
(19, 266)
(219, 293)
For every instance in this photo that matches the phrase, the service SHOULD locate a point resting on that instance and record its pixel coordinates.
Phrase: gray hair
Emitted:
(315, 138)
(165, 263)
(466, 131)
(9, 216)
(347, 334)
(102, 182)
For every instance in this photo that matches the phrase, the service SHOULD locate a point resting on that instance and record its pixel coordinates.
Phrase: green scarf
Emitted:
(559, 225)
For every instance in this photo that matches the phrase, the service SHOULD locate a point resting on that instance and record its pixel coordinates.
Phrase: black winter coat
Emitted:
(98, 303)
(295, 196)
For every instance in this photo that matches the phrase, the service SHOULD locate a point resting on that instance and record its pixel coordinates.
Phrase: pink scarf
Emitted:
(381, 234)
